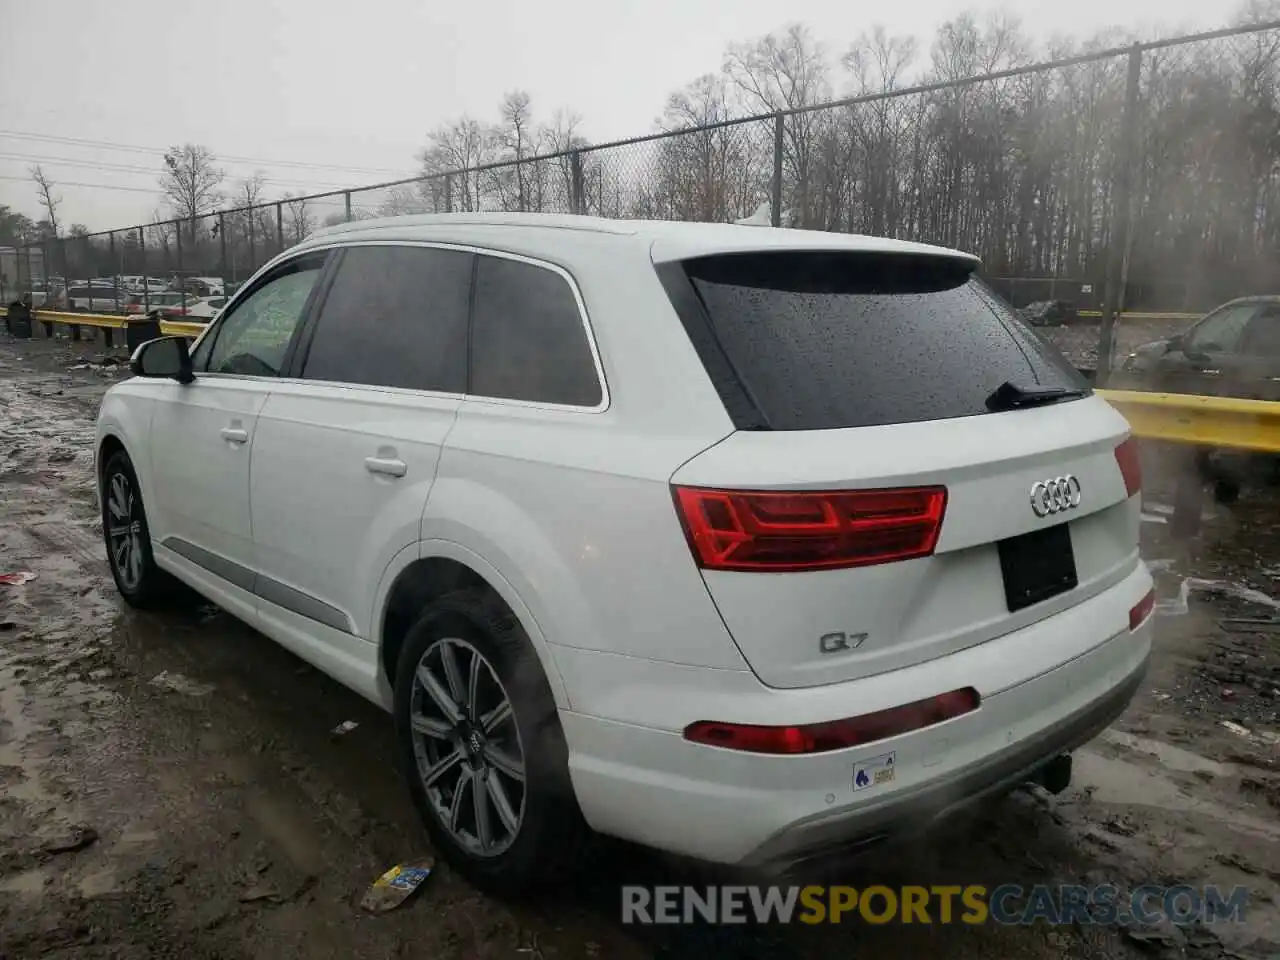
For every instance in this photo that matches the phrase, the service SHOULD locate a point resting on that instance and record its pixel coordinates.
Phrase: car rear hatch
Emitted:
(914, 472)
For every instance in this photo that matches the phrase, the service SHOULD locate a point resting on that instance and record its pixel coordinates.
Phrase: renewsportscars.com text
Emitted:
(974, 904)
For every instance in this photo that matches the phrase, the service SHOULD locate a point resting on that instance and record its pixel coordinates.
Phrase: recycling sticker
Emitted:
(874, 772)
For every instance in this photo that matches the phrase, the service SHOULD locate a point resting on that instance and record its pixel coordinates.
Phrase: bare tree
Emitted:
(513, 140)
(191, 182)
(44, 188)
(297, 218)
(716, 174)
(403, 199)
(457, 148)
(783, 72)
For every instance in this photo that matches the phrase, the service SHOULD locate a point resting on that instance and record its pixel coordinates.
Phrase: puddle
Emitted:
(1179, 605)
(15, 728)
(1170, 756)
(99, 883)
(177, 683)
(1123, 781)
(29, 882)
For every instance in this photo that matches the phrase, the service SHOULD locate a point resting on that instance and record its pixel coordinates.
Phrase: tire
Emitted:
(550, 840)
(133, 567)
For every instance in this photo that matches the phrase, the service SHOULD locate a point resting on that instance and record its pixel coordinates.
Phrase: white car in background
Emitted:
(744, 544)
(204, 309)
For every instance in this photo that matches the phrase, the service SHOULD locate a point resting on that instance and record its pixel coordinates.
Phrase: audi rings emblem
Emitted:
(1055, 495)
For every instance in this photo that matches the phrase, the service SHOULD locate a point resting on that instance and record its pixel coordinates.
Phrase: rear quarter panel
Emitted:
(574, 508)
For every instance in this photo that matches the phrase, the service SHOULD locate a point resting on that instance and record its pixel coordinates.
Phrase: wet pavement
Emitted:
(171, 785)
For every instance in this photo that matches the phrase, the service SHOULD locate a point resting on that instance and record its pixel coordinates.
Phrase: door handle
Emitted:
(234, 435)
(386, 467)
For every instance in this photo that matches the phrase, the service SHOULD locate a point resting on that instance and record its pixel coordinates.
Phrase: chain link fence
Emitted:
(1141, 178)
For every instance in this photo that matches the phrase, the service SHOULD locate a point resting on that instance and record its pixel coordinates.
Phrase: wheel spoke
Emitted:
(455, 809)
(480, 800)
(473, 685)
(122, 554)
(441, 767)
(491, 720)
(501, 804)
(452, 675)
(119, 496)
(504, 762)
(430, 727)
(124, 531)
(439, 694)
(135, 560)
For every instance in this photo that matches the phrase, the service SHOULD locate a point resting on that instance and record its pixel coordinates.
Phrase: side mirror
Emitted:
(166, 357)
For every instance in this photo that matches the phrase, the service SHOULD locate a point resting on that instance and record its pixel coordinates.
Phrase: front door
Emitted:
(203, 434)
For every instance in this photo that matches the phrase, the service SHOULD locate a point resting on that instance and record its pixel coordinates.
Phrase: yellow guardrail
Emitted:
(1223, 422)
(1144, 316)
(107, 321)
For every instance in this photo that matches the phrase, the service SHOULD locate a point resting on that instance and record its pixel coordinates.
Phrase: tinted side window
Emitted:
(1220, 332)
(252, 339)
(395, 317)
(1262, 336)
(528, 341)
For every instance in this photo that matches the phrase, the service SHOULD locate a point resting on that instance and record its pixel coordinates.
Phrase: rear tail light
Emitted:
(809, 530)
(1130, 465)
(836, 734)
(1142, 609)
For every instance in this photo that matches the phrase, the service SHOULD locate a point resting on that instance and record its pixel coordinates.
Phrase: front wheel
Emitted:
(482, 747)
(128, 539)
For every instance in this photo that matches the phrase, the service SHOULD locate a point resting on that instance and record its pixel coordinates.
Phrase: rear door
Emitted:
(1256, 373)
(915, 472)
(347, 448)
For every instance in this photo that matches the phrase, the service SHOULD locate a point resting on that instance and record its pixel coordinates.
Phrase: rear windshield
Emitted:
(826, 340)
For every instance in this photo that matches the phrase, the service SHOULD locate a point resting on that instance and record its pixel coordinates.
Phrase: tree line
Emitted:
(1021, 170)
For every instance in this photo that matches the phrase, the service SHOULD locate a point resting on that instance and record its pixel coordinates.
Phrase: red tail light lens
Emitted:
(837, 734)
(1130, 465)
(1142, 609)
(809, 530)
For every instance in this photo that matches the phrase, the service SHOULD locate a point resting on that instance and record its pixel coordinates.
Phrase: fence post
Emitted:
(280, 227)
(45, 252)
(1121, 220)
(182, 280)
(448, 193)
(775, 198)
(222, 246)
(347, 202)
(146, 276)
(108, 335)
(253, 253)
(577, 202)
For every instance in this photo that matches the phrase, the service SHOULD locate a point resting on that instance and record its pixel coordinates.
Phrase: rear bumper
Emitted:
(907, 813)
(643, 782)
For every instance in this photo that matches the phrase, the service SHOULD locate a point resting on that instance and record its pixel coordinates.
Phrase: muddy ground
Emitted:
(170, 785)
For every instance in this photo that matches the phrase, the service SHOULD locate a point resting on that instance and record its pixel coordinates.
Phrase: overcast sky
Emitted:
(319, 94)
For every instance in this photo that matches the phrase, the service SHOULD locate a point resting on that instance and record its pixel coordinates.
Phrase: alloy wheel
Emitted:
(469, 755)
(124, 530)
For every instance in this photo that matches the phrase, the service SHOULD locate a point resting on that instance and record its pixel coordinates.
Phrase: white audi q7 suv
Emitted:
(748, 544)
